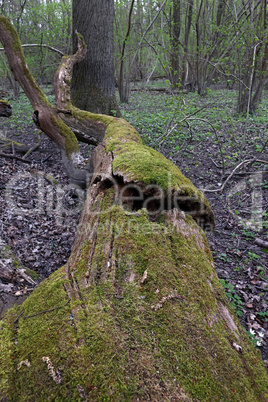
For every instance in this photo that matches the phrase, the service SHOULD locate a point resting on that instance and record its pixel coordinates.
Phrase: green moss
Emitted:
(17, 49)
(5, 102)
(82, 40)
(16, 44)
(112, 340)
(140, 164)
(71, 143)
(84, 115)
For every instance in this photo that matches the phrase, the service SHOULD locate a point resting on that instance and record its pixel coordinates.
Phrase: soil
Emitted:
(39, 213)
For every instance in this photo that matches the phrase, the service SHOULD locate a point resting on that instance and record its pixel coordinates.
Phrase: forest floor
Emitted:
(39, 210)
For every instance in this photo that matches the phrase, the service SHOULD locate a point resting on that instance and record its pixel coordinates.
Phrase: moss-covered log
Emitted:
(138, 312)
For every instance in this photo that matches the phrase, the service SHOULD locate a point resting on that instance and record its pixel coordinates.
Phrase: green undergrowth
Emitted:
(125, 338)
(154, 115)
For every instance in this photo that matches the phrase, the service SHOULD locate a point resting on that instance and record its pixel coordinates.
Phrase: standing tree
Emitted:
(93, 83)
(138, 312)
(175, 37)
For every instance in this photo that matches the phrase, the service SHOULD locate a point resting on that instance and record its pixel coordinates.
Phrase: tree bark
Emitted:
(93, 83)
(138, 312)
(49, 119)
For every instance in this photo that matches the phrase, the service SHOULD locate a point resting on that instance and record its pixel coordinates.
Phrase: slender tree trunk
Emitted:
(188, 23)
(93, 83)
(123, 80)
(175, 28)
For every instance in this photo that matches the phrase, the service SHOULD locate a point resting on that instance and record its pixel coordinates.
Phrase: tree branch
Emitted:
(39, 45)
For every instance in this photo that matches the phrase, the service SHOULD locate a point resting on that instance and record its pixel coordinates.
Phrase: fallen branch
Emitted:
(261, 243)
(39, 45)
(250, 161)
(34, 147)
(185, 119)
(12, 156)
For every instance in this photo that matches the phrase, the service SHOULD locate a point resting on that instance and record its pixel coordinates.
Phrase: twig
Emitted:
(229, 177)
(165, 136)
(147, 30)
(47, 158)
(39, 45)
(46, 311)
(240, 352)
(217, 137)
(250, 161)
(261, 243)
(11, 156)
(18, 317)
(264, 146)
(217, 166)
(34, 147)
(228, 75)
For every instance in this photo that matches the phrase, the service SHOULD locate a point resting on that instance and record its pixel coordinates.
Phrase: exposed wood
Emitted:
(6, 273)
(45, 116)
(86, 128)
(261, 243)
(44, 112)
(13, 156)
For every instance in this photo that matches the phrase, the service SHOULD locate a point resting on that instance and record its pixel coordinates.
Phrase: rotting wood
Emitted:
(261, 243)
(5, 109)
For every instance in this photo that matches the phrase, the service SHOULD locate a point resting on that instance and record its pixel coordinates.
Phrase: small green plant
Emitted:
(224, 258)
(263, 315)
(239, 268)
(113, 112)
(249, 234)
(234, 298)
(253, 256)
(252, 337)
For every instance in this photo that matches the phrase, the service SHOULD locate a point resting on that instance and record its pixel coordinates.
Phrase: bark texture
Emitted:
(93, 84)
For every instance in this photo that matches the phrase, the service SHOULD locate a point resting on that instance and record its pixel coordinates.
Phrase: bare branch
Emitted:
(39, 45)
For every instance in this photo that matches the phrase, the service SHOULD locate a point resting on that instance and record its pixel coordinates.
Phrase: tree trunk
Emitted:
(175, 28)
(188, 22)
(124, 77)
(93, 83)
(138, 312)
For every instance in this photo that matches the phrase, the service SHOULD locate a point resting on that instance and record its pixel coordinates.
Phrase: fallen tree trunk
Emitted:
(138, 312)
(147, 317)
